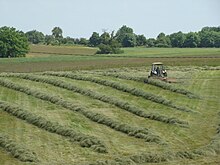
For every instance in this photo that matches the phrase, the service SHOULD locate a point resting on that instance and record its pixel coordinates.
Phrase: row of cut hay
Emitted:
(111, 100)
(214, 146)
(149, 158)
(153, 82)
(137, 132)
(17, 150)
(40, 122)
(121, 87)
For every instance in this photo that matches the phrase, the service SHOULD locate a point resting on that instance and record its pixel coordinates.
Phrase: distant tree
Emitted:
(163, 41)
(94, 40)
(123, 30)
(216, 29)
(77, 41)
(129, 40)
(151, 42)
(13, 43)
(69, 40)
(83, 41)
(209, 37)
(35, 37)
(49, 39)
(126, 37)
(57, 33)
(112, 48)
(109, 45)
(141, 40)
(192, 40)
(177, 39)
(115, 46)
(105, 38)
(217, 39)
(104, 49)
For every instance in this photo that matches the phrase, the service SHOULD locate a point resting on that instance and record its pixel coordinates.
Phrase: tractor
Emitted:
(158, 70)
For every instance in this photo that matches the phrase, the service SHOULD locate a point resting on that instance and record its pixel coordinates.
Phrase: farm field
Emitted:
(109, 116)
(64, 58)
(170, 52)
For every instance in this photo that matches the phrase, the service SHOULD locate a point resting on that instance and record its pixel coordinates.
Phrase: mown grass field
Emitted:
(107, 115)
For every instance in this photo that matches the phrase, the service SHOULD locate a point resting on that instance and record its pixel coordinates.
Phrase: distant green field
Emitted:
(43, 58)
(170, 52)
(128, 52)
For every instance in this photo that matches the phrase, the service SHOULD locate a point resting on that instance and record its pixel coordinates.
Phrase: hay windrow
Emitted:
(153, 82)
(148, 158)
(40, 122)
(121, 87)
(140, 133)
(17, 150)
(108, 99)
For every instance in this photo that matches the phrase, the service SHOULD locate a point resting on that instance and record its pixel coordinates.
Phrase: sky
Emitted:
(79, 18)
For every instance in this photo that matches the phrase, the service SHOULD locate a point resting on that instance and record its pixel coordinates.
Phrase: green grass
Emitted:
(57, 58)
(90, 108)
(180, 141)
(171, 52)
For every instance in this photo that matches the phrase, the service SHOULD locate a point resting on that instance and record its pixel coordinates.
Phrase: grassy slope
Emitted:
(53, 148)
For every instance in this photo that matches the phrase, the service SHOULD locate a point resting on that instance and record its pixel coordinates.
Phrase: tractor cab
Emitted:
(158, 70)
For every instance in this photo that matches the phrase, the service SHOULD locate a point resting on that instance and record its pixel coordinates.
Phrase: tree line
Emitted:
(125, 37)
(14, 43)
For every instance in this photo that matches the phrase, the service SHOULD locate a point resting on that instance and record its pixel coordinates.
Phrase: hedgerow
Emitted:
(84, 140)
(154, 82)
(111, 100)
(124, 88)
(17, 150)
(137, 132)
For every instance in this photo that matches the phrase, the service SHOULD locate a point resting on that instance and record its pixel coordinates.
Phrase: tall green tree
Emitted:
(68, 40)
(105, 38)
(57, 32)
(177, 39)
(210, 37)
(124, 30)
(49, 39)
(192, 40)
(108, 44)
(141, 40)
(151, 42)
(129, 40)
(35, 37)
(126, 37)
(83, 41)
(163, 41)
(94, 40)
(13, 43)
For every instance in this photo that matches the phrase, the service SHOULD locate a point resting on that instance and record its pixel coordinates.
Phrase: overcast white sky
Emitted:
(79, 18)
